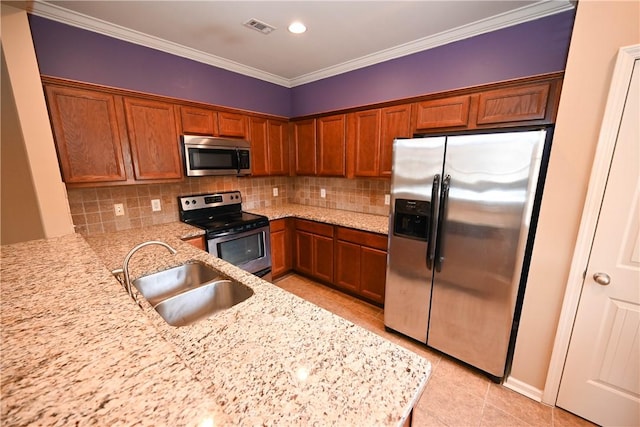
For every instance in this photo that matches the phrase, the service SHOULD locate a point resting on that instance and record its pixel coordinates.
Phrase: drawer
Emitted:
(364, 238)
(277, 225)
(314, 227)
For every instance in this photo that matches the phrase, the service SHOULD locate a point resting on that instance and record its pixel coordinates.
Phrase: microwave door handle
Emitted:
(431, 244)
(238, 161)
(442, 222)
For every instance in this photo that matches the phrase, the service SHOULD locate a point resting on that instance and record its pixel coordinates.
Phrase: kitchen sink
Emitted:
(159, 286)
(190, 292)
(197, 304)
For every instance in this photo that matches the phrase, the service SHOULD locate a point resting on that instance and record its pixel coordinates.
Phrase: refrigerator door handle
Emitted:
(442, 218)
(431, 245)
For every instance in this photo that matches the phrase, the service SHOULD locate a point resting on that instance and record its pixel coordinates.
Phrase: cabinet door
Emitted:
(86, 135)
(395, 123)
(443, 113)
(513, 104)
(278, 147)
(365, 135)
(232, 125)
(304, 133)
(323, 258)
(332, 145)
(155, 148)
(304, 252)
(373, 273)
(347, 266)
(198, 121)
(259, 147)
(281, 251)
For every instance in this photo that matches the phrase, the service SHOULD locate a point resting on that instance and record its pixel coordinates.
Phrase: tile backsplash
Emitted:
(92, 209)
(357, 195)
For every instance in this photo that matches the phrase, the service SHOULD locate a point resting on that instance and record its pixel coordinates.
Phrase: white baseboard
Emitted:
(523, 388)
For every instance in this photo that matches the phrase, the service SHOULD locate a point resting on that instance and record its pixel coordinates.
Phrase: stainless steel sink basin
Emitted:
(159, 286)
(200, 303)
(190, 292)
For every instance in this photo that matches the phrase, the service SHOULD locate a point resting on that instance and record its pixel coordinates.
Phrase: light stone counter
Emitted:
(366, 222)
(76, 348)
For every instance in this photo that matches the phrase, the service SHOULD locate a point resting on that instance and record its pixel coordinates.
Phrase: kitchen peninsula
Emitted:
(76, 348)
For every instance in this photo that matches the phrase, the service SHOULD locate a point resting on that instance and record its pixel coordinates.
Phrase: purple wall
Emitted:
(73, 53)
(535, 47)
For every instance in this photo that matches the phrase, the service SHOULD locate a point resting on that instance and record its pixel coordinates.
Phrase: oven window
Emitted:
(242, 250)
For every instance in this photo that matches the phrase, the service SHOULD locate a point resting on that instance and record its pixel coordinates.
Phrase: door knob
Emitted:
(602, 279)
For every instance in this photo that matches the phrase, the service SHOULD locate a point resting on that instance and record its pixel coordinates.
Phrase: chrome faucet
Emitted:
(125, 264)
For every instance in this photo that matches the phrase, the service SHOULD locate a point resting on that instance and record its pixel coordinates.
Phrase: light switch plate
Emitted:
(387, 199)
(155, 205)
(275, 191)
(323, 193)
(119, 209)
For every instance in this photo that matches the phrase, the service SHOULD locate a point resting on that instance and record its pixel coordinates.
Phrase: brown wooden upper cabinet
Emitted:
(443, 113)
(155, 148)
(269, 147)
(202, 121)
(87, 135)
(514, 104)
(233, 125)
(332, 145)
(396, 123)
(198, 121)
(304, 140)
(320, 146)
(370, 139)
(363, 130)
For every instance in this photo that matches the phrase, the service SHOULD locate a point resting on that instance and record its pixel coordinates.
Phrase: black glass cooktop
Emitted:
(235, 221)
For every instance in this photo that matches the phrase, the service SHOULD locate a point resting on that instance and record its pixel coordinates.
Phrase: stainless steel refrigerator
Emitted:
(460, 231)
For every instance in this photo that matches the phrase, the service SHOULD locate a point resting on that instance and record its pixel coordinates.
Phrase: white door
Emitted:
(601, 378)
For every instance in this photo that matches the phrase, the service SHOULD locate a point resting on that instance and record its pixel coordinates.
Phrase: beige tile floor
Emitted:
(455, 394)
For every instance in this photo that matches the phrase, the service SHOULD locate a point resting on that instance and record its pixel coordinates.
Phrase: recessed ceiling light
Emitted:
(297, 27)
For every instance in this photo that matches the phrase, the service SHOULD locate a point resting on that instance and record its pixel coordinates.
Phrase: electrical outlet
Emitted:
(155, 205)
(275, 191)
(119, 209)
(323, 193)
(387, 199)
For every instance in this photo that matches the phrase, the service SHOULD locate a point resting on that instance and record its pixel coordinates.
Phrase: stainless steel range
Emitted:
(238, 237)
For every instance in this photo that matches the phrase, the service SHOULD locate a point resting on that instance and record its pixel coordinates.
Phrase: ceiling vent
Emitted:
(263, 27)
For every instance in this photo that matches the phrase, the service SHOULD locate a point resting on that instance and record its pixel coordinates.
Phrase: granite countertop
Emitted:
(361, 221)
(76, 348)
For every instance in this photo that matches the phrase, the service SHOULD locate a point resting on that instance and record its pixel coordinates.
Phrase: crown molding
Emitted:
(517, 16)
(79, 20)
(504, 20)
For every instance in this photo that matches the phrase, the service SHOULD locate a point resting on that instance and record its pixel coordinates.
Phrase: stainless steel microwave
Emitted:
(208, 155)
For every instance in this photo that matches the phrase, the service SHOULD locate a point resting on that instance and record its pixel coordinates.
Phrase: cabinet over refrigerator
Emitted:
(463, 214)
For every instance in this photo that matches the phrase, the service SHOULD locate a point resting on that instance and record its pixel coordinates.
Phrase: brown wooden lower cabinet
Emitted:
(314, 250)
(361, 263)
(281, 252)
(197, 241)
(351, 260)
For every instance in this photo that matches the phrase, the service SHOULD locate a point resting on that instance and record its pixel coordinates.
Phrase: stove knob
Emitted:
(193, 201)
(186, 203)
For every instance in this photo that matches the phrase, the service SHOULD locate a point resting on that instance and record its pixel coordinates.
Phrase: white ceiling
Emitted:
(341, 36)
